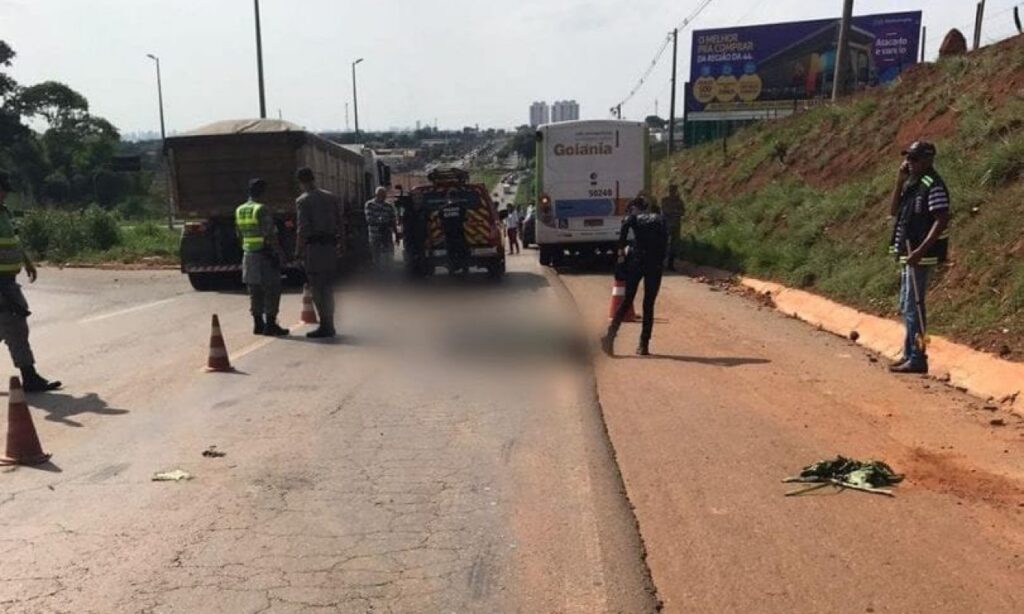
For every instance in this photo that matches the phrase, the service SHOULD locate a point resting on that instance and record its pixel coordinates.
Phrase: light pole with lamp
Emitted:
(163, 138)
(355, 98)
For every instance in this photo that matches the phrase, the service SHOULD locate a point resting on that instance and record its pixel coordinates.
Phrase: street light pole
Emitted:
(259, 60)
(840, 79)
(355, 98)
(672, 108)
(163, 138)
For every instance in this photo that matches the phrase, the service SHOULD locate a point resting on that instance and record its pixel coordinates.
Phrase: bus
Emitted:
(587, 172)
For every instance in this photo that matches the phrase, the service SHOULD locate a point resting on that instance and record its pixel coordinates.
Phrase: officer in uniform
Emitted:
(414, 233)
(672, 208)
(13, 306)
(261, 261)
(318, 244)
(453, 221)
(643, 261)
(920, 240)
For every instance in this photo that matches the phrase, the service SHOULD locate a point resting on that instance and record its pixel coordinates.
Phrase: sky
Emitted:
(456, 62)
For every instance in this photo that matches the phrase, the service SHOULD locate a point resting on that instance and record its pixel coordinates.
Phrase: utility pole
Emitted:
(979, 17)
(259, 59)
(672, 105)
(924, 39)
(841, 76)
(346, 118)
(355, 97)
(163, 141)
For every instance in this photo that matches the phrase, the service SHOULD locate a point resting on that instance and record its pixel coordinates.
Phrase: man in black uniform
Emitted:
(453, 219)
(414, 232)
(643, 261)
(920, 240)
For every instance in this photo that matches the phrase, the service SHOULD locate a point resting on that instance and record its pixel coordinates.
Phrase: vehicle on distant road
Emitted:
(587, 173)
(211, 167)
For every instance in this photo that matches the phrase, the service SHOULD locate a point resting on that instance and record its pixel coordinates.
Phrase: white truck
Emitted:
(587, 173)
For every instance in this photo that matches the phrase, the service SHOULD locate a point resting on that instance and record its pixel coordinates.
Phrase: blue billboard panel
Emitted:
(760, 68)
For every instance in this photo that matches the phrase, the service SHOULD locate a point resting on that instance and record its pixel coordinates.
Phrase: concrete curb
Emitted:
(980, 374)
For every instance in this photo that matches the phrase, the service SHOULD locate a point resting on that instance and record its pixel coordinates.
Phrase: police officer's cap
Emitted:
(257, 186)
(919, 150)
(5, 182)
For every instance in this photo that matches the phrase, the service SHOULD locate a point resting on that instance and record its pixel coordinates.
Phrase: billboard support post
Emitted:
(843, 52)
(672, 105)
(924, 39)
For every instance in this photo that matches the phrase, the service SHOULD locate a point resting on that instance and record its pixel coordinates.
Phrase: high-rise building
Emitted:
(539, 114)
(564, 111)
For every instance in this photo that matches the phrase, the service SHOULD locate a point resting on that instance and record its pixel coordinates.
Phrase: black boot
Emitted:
(608, 344)
(33, 382)
(321, 333)
(258, 325)
(273, 330)
(643, 349)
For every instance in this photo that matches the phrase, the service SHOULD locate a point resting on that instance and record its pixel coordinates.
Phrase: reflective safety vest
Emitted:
(248, 223)
(914, 221)
(11, 256)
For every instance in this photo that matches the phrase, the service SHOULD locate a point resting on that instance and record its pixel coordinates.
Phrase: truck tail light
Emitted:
(192, 229)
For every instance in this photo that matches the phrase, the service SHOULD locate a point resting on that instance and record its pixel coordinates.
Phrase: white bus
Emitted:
(587, 173)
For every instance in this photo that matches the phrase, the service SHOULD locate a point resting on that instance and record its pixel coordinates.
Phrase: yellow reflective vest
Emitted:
(11, 256)
(248, 223)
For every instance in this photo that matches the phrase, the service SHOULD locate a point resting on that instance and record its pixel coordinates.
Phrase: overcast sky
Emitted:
(462, 62)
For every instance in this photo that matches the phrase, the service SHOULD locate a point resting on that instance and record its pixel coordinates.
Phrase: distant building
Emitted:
(564, 111)
(539, 114)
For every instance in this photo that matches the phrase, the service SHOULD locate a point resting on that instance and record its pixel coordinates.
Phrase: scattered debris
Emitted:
(854, 335)
(997, 422)
(213, 452)
(841, 472)
(990, 407)
(872, 359)
(172, 476)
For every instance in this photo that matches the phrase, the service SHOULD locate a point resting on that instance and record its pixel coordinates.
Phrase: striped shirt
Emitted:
(938, 198)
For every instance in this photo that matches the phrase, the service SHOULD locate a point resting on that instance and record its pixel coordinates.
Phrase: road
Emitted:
(445, 455)
(737, 397)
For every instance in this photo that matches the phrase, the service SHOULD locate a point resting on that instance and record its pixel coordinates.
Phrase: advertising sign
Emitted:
(757, 69)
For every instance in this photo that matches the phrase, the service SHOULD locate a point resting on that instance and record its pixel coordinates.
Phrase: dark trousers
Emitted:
(650, 273)
(321, 286)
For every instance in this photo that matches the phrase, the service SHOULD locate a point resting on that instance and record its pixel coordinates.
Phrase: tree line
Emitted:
(69, 163)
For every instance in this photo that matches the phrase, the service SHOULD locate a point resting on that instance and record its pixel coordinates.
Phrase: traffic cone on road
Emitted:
(218, 361)
(308, 313)
(23, 446)
(619, 295)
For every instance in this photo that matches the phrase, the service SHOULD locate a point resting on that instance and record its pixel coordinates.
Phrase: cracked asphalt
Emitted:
(446, 455)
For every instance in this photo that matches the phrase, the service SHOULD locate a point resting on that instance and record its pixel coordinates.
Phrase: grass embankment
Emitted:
(525, 194)
(95, 236)
(487, 176)
(805, 200)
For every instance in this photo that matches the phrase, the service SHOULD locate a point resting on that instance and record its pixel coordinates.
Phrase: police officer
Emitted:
(318, 244)
(453, 223)
(13, 306)
(642, 261)
(261, 261)
(672, 208)
(920, 240)
(414, 233)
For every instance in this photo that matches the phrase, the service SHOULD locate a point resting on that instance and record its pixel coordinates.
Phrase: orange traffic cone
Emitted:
(22, 441)
(619, 295)
(308, 313)
(218, 361)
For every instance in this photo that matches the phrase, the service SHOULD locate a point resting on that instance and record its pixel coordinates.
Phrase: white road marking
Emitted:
(121, 312)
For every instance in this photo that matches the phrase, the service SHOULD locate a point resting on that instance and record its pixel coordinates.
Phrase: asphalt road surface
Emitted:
(446, 454)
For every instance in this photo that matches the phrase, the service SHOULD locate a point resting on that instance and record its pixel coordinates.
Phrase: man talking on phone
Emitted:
(920, 240)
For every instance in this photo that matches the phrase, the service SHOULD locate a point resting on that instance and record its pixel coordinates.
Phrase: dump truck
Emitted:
(210, 170)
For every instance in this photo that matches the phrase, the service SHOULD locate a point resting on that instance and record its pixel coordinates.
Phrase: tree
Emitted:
(54, 101)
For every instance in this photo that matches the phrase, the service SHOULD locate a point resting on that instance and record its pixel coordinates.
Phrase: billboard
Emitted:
(753, 70)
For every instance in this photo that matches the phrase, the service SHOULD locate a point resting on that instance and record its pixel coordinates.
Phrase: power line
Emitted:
(661, 52)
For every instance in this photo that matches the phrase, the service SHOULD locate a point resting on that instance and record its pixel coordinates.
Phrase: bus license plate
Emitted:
(592, 223)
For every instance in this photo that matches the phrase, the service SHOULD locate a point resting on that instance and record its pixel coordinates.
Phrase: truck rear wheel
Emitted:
(545, 255)
(203, 282)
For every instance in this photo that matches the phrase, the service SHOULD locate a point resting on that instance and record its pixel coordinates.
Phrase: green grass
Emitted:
(487, 176)
(525, 194)
(139, 243)
(821, 223)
